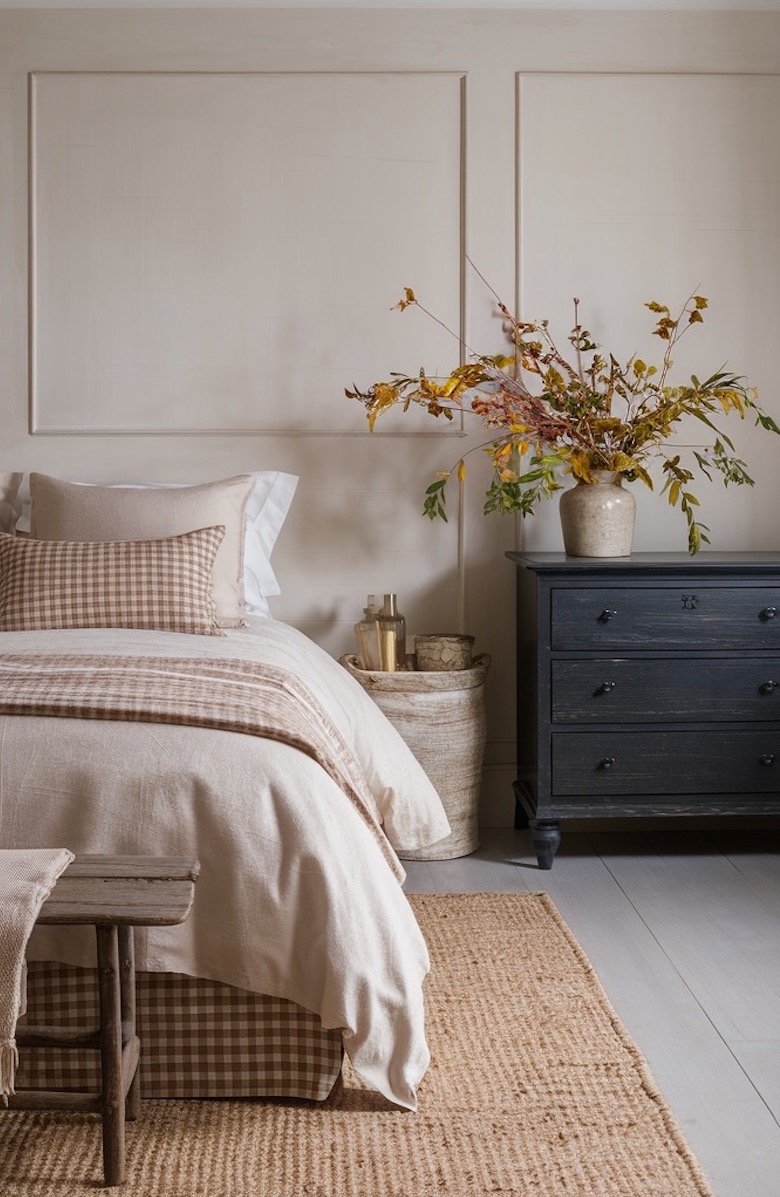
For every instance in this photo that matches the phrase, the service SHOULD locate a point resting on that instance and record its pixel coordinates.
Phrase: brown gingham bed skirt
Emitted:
(198, 1038)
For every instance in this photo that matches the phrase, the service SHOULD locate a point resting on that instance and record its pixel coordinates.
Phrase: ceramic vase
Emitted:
(597, 518)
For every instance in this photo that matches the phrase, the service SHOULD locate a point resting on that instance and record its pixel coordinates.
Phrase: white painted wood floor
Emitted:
(683, 929)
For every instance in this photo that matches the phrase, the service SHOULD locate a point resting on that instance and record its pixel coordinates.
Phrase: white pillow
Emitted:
(265, 512)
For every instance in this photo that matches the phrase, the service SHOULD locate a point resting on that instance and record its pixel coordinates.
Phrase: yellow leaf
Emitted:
(579, 465)
(385, 395)
(733, 400)
(409, 299)
(553, 379)
(450, 387)
(461, 470)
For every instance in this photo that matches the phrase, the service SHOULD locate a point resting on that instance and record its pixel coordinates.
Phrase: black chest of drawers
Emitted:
(647, 685)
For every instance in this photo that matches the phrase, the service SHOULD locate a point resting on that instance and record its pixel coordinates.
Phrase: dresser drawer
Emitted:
(657, 762)
(694, 690)
(684, 616)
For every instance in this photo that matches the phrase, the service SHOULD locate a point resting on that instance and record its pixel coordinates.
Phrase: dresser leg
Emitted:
(545, 839)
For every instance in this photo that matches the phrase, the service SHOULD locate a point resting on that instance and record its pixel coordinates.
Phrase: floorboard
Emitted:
(761, 1062)
(683, 929)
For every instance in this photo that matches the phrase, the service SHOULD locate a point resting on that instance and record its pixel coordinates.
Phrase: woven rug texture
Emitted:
(535, 1090)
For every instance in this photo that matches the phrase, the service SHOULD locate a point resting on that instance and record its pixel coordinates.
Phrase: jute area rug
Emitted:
(535, 1090)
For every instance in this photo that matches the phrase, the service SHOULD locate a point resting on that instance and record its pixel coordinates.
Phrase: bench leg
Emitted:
(112, 1088)
(127, 990)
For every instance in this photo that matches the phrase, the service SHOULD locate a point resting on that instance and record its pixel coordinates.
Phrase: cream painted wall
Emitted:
(274, 178)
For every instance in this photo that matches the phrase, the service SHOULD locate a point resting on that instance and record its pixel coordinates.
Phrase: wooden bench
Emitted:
(114, 894)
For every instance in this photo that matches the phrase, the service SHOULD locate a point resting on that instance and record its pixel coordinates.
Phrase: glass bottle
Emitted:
(392, 635)
(367, 637)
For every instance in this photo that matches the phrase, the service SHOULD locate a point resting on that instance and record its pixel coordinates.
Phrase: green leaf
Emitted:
(766, 421)
(436, 499)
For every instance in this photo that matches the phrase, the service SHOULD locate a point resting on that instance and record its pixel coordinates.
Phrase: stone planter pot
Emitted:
(597, 518)
(441, 716)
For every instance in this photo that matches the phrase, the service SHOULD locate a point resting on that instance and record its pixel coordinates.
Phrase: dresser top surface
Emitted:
(648, 564)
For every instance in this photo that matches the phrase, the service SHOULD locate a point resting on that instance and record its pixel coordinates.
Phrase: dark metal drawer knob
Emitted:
(605, 687)
(768, 687)
(606, 615)
(607, 763)
(768, 758)
(767, 614)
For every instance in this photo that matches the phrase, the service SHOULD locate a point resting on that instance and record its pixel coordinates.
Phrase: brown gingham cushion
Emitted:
(164, 585)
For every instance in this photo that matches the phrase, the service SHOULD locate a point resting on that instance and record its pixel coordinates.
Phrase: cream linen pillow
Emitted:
(165, 585)
(10, 501)
(69, 511)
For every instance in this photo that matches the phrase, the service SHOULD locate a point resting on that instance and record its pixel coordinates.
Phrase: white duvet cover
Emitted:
(295, 897)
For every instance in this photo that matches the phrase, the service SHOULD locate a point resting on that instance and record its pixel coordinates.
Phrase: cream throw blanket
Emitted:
(27, 877)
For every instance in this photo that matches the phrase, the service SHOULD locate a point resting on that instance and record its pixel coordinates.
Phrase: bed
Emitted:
(239, 741)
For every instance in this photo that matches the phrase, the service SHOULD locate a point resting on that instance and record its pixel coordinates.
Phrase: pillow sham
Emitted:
(266, 511)
(10, 501)
(164, 585)
(73, 512)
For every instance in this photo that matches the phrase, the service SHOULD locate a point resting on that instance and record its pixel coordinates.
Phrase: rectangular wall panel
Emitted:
(220, 252)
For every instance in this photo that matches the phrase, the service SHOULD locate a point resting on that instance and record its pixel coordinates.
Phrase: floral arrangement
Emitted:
(547, 415)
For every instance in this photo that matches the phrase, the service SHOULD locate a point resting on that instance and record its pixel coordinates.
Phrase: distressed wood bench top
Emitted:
(146, 891)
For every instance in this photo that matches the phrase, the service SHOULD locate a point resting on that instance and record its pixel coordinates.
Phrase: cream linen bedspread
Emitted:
(295, 897)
